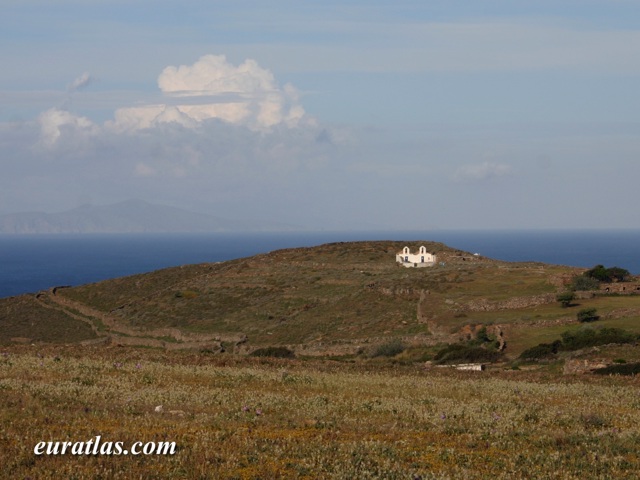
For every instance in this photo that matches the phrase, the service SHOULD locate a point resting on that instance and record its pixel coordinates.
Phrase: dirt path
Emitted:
(43, 300)
(68, 306)
(104, 325)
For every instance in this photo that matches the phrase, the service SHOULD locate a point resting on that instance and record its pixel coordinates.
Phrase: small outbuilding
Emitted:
(420, 259)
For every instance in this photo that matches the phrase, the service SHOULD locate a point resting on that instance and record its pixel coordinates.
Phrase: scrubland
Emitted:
(248, 418)
(358, 400)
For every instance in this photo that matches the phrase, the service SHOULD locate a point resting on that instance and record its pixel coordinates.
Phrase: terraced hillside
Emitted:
(334, 299)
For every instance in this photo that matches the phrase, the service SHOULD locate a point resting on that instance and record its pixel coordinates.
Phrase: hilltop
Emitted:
(339, 299)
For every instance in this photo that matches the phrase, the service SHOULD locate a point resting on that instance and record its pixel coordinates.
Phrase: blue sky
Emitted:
(347, 115)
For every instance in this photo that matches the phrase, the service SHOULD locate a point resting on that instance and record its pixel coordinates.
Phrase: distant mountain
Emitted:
(132, 216)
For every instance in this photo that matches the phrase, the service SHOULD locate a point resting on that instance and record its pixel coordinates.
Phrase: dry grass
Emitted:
(335, 292)
(330, 299)
(257, 418)
(25, 317)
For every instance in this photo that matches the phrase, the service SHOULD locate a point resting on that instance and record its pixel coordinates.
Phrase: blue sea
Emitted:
(29, 263)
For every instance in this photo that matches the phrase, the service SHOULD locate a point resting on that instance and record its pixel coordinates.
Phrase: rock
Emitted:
(575, 366)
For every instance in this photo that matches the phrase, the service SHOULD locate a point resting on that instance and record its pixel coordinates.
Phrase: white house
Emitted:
(420, 259)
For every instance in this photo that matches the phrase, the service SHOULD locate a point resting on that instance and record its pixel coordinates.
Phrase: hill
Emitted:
(341, 299)
(132, 216)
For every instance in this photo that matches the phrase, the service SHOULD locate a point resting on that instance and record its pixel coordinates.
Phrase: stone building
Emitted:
(620, 287)
(420, 259)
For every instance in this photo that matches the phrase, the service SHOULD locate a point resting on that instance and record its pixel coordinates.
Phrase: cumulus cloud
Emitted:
(224, 136)
(54, 122)
(210, 90)
(213, 74)
(481, 171)
(214, 88)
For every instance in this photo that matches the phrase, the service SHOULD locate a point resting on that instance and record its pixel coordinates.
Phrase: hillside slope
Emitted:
(334, 299)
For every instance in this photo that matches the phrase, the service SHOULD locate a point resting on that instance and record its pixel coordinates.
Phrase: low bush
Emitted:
(619, 369)
(589, 337)
(608, 275)
(566, 299)
(461, 353)
(188, 294)
(484, 339)
(583, 338)
(389, 349)
(581, 283)
(277, 352)
(541, 351)
(587, 315)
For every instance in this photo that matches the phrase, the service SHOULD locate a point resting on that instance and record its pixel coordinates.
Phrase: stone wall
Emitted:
(574, 366)
(621, 287)
(484, 305)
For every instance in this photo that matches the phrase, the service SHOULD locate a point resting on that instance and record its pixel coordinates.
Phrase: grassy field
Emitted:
(247, 418)
(615, 311)
(359, 400)
(25, 317)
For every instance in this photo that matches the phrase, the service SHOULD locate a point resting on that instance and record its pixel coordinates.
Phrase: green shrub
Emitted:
(188, 294)
(608, 275)
(583, 338)
(482, 336)
(599, 273)
(461, 353)
(541, 351)
(277, 352)
(587, 315)
(619, 369)
(566, 298)
(581, 283)
(588, 337)
(389, 349)
(484, 339)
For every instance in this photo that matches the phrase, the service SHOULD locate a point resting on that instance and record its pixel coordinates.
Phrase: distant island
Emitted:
(131, 216)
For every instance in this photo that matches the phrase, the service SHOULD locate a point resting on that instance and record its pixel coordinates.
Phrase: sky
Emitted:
(349, 115)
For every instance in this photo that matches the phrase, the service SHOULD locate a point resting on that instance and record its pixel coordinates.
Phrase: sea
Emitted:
(30, 263)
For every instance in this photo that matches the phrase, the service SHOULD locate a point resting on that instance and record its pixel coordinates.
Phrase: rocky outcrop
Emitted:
(574, 366)
(499, 334)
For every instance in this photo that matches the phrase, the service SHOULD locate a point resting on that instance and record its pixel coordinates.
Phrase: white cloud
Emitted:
(81, 82)
(213, 88)
(481, 171)
(215, 121)
(246, 95)
(212, 74)
(54, 122)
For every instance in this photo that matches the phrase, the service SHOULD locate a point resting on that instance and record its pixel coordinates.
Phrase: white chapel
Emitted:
(420, 259)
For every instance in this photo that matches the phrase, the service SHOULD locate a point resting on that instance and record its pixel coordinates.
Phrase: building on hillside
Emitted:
(620, 287)
(420, 259)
